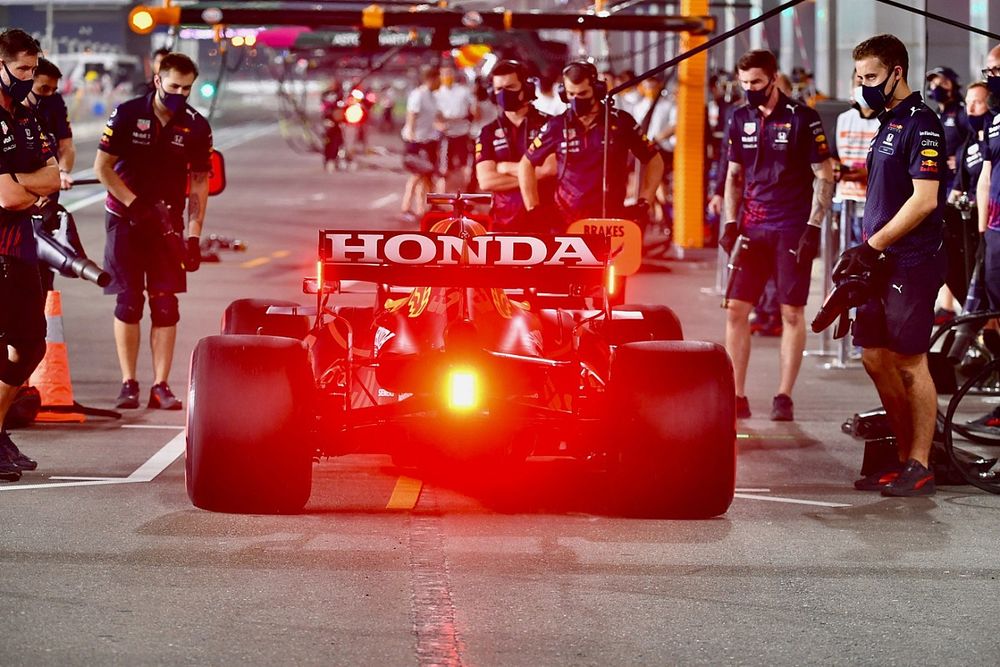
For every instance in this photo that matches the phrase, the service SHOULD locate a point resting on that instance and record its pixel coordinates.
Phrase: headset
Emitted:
(527, 84)
(590, 70)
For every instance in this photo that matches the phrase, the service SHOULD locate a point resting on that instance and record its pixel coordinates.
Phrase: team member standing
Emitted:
(27, 171)
(781, 173)
(457, 109)
(420, 134)
(151, 146)
(502, 144)
(902, 249)
(577, 138)
(988, 190)
(943, 88)
(51, 113)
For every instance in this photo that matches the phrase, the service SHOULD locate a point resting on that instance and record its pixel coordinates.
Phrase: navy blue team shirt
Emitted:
(154, 160)
(580, 160)
(993, 157)
(23, 149)
(777, 153)
(502, 141)
(909, 145)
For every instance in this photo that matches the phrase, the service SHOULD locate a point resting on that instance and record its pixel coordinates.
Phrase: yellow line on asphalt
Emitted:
(405, 495)
(257, 261)
(280, 253)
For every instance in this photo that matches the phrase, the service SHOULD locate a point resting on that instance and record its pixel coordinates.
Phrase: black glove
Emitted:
(857, 261)
(808, 245)
(538, 221)
(145, 214)
(728, 238)
(193, 259)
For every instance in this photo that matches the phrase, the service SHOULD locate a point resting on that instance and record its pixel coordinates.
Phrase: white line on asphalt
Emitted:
(793, 501)
(86, 201)
(386, 200)
(739, 490)
(164, 426)
(147, 472)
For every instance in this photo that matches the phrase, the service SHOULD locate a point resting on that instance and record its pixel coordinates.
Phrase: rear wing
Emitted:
(569, 264)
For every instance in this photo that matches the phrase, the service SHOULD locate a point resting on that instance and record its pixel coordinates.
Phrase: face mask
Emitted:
(859, 99)
(939, 95)
(18, 89)
(759, 98)
(876, 97)
(581, 106)
(174, 102)
(977, 123)
(509, 100)
(993, 85)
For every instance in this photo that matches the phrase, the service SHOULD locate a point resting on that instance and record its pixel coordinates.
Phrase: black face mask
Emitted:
(509, 100)
(940, 95)
(759, 98)
(174, 102)
(977, 123)
(18, 89)
(581, 106)
(993, 85)
(876, 97)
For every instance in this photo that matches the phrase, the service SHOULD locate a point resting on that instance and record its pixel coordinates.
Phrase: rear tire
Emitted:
(672, 408)
(248, 444)
(657, 323)
(249, 316)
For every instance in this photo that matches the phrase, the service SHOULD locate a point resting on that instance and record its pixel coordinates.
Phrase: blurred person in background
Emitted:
(421, 136)
(457, 108)
(546, 100)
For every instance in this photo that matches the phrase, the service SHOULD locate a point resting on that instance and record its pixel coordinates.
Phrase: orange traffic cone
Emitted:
(51, 378)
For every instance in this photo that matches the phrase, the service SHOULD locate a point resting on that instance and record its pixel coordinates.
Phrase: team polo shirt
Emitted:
(909, 145)
(23, 149)
(580, 158)
(777, 153)
(993, 157)
(956, 130)
(154, 160)
(502, 141)
(970, 157)
(53, 116)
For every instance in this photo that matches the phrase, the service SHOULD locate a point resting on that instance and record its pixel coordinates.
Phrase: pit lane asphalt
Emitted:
(380, 569)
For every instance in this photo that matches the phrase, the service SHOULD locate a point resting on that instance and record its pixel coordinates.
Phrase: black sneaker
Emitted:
(14, 454)
(128, 397)
(9, 471)
(742, 407)
(877, 480)
(914, 480)
(782, 409)
(161, 398)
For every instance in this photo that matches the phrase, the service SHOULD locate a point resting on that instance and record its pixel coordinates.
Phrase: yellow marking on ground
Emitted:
(278, 254)
(405, 495)
(255, 262)
(765, 436)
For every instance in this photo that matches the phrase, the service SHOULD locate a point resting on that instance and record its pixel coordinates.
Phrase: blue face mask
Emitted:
(581, 106)
(940, 95)
(977, 123)
(509, 100)
(876, 97)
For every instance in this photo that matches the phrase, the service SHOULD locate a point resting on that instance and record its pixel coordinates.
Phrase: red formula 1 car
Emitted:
(500, 354)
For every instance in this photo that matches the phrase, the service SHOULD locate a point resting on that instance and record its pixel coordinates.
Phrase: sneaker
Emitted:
(988, 422)
(14, 454)
(913, 480)
(943, 316)
(781, 409)
(9, 471)
(160, 397)
(742, 407)
(877, 480)
(128, 398)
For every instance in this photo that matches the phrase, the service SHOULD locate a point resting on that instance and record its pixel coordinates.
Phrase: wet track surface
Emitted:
(385, 568)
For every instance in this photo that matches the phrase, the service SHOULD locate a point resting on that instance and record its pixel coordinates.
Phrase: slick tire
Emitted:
(249, 316)
(248, 442)
(657, 323)
(672, 411)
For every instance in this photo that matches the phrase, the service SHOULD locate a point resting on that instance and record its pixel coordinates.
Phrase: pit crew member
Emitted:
(577, 138)
(27, 172)
(502, 144)
(148, 150)
(781, 173)
(943, 89)
(902, 249)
